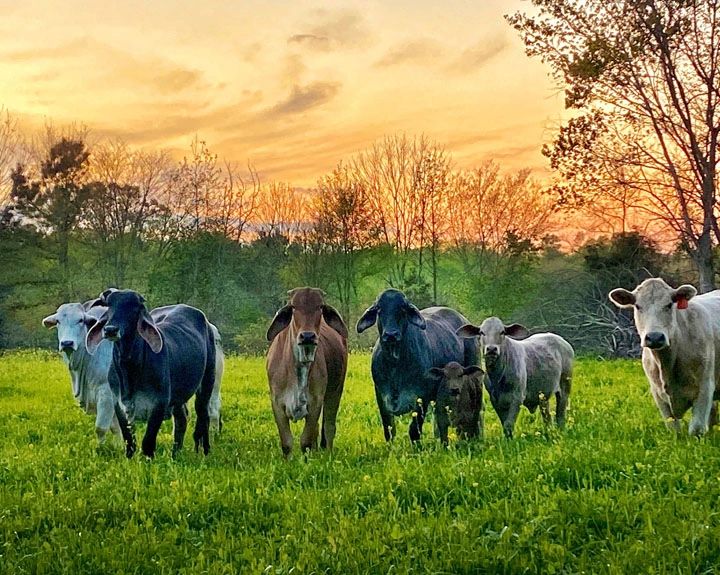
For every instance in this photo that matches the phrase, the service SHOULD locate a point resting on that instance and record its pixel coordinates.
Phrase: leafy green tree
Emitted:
(56, 199)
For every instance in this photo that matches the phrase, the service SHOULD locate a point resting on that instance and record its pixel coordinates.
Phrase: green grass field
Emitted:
(614, 493)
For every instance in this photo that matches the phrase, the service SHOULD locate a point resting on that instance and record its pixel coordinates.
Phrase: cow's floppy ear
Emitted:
(414, 317)
(516, 331)
(683, 294)
(94, 335)
(282, 319)
(333, 319)
(472, 370)
(622, 298)
(50, 321)
(468, 330)
(367, 319)
(149, 332)
(435, 373)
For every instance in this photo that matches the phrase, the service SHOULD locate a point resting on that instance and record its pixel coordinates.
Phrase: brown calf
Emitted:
(459, 400)
(306, 366)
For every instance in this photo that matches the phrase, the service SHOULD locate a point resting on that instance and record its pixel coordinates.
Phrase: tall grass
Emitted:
(614, 493)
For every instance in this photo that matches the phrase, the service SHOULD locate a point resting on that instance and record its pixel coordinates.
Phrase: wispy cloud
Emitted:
(479, 54)
(303, 98)
(311, 41)
(101, 61)
(420, 52)
(332, 29)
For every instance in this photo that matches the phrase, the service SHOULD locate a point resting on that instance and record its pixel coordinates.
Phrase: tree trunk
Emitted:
(703, 258)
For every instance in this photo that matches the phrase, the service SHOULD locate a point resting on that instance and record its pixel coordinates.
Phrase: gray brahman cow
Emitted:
(523, 371)
(89, 373)
(680, 336)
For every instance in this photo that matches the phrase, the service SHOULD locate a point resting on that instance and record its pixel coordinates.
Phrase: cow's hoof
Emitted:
(697, 429)
(130, 451)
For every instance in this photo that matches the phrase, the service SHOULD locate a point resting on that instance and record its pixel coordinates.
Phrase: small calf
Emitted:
(459, 400)
(523, 369)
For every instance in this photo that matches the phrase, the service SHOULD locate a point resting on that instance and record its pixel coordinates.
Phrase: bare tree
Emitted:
(432, 182)
(126, 191)
(396, 173)
(283, 210)
(10, 149)
(344, 226)
(645, 75)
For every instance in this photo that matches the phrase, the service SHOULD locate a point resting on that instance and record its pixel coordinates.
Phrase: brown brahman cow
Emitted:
(306, 366)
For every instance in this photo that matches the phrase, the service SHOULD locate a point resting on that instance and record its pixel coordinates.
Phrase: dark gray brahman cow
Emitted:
(306, 366)
(459, 401)
(88, 373)
(527, 372)
(214, 407)
(411, 342)
(680, 335)
(158, 363)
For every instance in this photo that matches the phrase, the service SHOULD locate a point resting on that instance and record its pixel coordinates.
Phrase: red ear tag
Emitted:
(682, 303)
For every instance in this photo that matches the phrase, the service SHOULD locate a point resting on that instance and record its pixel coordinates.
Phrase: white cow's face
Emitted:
(72, 323)
(655, 305)
(493, 338)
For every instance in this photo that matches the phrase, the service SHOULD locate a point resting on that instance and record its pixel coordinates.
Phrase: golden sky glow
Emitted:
(291, 86)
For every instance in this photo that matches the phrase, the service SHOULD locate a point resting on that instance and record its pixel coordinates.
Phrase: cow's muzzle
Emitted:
(390, 342)
(111, 332)
(306, 352)
(491, 356)
(67, 347)
(655, 340)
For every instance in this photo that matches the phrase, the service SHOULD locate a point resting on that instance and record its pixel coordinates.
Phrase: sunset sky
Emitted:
(293, 87)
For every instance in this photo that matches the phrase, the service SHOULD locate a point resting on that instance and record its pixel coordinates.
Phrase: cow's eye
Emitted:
(454, 392)
(637, 307)
(669, 306)
(502, 332)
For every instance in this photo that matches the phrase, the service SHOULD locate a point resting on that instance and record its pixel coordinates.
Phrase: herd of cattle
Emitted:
(129, 364)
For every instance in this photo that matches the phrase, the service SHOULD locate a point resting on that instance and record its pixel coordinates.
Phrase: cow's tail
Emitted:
(201, 435)
(563, 395)
(214, 407)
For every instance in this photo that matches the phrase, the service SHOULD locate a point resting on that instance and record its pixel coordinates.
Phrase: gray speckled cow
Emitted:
(523, 372)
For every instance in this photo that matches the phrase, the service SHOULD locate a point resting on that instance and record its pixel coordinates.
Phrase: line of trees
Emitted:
(638, 157)
(106, 214)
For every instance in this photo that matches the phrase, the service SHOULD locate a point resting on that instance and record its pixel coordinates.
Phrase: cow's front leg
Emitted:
(283, 425)
(388, 421)
(105, 417)
(663, 404)
(442, 423)
(510, 415)
(149, 442)
(180, 419)
(418, 418)
(702, 406)
(545, 410)
(309, 437)
(126, 430)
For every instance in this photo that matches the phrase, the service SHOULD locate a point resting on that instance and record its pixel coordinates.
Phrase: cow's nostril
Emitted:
(390, 336)
(655, 339)
(307, 337)
(111, 330)
(491, 349)
(66, 344)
